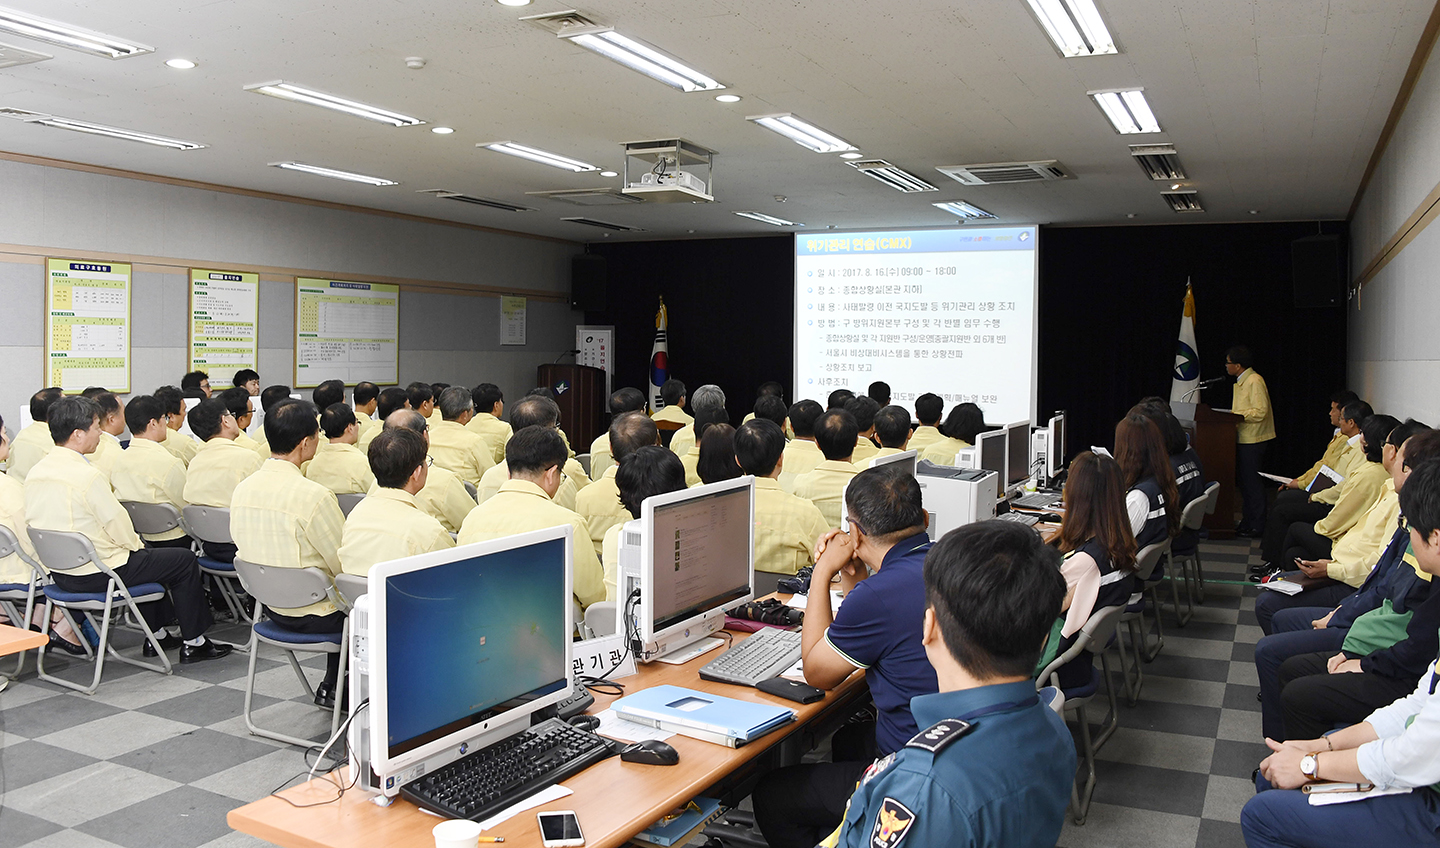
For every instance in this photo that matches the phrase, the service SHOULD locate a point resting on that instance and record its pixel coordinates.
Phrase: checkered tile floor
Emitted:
(157, 762)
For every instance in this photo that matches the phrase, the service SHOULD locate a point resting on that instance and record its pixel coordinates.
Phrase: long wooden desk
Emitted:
(614, 800)
(13, 640)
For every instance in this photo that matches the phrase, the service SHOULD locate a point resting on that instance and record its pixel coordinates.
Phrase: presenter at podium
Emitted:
(1253, 435)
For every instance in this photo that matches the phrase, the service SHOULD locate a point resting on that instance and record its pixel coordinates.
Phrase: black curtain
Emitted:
(1110, 301)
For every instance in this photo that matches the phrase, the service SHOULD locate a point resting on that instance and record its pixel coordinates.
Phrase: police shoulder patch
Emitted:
(939, 734)
(892, 822)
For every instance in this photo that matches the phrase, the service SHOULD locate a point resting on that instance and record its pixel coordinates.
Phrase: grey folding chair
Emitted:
(64, 552)
(1093, 636)
(1181, 561)
(1147, 564)
(584, 460)
(18, 599)
(349, 502)
(599, 619)
(290, 588)
(351, 587)
(212, 524)
(470, 490)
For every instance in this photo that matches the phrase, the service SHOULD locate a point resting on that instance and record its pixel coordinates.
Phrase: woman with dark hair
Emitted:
(1189, 478)
(717, 455)
(651, 470)
(1151, 498)
(962, 425)
(1099, 550)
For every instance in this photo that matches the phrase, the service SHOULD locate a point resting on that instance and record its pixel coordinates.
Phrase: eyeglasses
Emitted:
(429, 461)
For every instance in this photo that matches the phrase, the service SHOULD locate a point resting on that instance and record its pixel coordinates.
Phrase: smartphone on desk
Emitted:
(560, 829)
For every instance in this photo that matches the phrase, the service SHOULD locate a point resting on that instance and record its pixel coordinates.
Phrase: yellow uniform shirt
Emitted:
(942, 451)
(341, 468)
(388, 525)
(1361, 489)
(366, 426)
(520, 506)
(879, 454)
(216, 470)
(444, 499)
(1330, 458)
(683, 440)
(434, 417)
(183, 446)
(600, 456)
(566, 495)
(923, 437)
(147, 473)
(107, 451)
(246, 442)
(825, 487)
(864, 449)
(29, 446)
(672, 414)
(676, 415)
(1351, 454)
(13, 569)
(600, 506)
(65, 492)
(1251, 401)
(460, 450)
(786, 528)
(800, 457)
(280, 519)
(1352, 558)
(262, 447)
(690, 460)
(494, 431)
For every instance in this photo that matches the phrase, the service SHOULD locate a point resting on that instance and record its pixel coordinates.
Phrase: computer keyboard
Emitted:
(764, 654)
(482, 783)
(1019, 518)
(1037, 500)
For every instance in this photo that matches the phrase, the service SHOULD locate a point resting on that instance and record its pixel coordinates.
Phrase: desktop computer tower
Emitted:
(954, 497)
(359, 673)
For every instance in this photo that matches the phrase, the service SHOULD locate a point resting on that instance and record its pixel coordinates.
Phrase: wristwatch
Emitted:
(1309, 764)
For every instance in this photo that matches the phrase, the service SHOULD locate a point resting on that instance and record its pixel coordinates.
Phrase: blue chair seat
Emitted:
(215, 564)
(138, 591)
(277, 632)
(1084, 691)
(21, 589)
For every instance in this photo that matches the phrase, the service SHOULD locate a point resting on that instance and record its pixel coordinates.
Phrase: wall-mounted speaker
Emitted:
(588, 278)
(1318, 271)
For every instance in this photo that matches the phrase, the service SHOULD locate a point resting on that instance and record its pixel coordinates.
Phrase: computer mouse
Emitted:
(651, 752)
(1050, 518)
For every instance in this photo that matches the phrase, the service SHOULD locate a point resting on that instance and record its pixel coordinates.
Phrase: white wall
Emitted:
(442, 337)
(1394, 350)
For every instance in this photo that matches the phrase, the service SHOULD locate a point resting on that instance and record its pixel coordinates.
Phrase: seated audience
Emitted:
(1190, 482)
(173, 402)
(422, 400)
(599, 504)
(768, 389)
(671, 416)
(196, 384)
(147, 473)
(801, 453)
(864, 409)
(463, 451)
(247, 379)
(892, 431)
(270, 397)
(238, 401)
(338, 465)
(489, 406)
(786, 526)
(928, 409)
(536, 411)
(112, 426)
(770, 408)
(388, 524)
(879, 628)
(704, 420)
(880, 393)
(33, 442)
(1151, 499)
(366, 397)
(962, 426)
(825, 486)
(443, 497)
(717, 454)
(650, 470)
(837, 399)
(991, 592)
(1298, 505)
(621, 401)
(221, 464)
(708, 398)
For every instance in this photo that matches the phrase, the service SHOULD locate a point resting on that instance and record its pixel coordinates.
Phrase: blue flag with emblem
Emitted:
(1186, 376)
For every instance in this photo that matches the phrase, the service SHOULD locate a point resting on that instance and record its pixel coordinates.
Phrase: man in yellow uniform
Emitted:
(864, 409)
(929, 408)
(443, 497)
(802, 455)
(112, 426)
(1333, 450)
(386, 403)
(707, 398)
(247, 379)
(962, 427)
(672, 416)
(622, 401)
(536, 456)
(366, 396)
(218, 468)
(825, 486)
(196, 384)
(786, 526)
(388, 524)
(32, 442)
(892, 431)
(147, 473)
(1298, 505)
(489, 406)
(178, 443)
(65, 492)
(454, 447)
(242, 407)
(270, 397)
(282, 520)
(599, 504)
(338, 465)
(422, 400)
(1251, 402)
(535, 411)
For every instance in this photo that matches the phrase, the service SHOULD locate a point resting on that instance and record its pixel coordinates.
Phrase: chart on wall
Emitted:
(346, 331)
(224, 322)
(87, 325)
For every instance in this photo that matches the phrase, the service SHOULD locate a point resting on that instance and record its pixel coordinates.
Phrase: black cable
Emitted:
(343, 756)
(601, 683)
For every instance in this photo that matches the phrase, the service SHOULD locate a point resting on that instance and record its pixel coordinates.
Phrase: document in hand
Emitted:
(1325, 479)
(724, 721)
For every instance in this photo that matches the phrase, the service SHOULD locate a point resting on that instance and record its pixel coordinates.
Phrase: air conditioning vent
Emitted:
(566, 24)
(475, 201)
(1183, 201)
(588, 196)
(10, 56)
(999, 173)
(1158, 161)
(897, 178)
(604, 225)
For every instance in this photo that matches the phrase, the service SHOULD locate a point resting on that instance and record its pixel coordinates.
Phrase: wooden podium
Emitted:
(580, 391)
(1213, 437)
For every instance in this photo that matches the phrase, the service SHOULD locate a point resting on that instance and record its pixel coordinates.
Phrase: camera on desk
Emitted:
(771, 611)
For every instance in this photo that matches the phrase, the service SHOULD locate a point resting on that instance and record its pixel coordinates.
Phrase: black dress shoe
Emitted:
(167, 642)
(70, 648)
(325, 697)
(200, 653)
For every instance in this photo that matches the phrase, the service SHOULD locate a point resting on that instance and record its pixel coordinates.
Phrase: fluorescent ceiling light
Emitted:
(609, 173)
(1127, 110)
(897, 178)
(803, 133)
(963, 208)
(645, 59)
(99, 129)
(554, 160)
(65, 35)
(180, 64)
(514, 2)
(1075, 26)
(441, 130)
(333, 174)
(300, 94)
(854, 154)
(768, 219)
(728, 98)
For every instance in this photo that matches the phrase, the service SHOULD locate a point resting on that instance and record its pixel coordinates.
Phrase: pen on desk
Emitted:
(491, 839)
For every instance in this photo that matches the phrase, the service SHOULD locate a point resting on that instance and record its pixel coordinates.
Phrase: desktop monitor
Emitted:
(463, 646)
(993, 452)
(1055, 460)
(1017, 453)
(691, 556)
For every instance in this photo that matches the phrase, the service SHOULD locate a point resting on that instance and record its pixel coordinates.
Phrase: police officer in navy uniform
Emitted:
(994, 765)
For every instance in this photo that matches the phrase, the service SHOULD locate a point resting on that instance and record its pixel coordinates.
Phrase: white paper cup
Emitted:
(457, 833)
